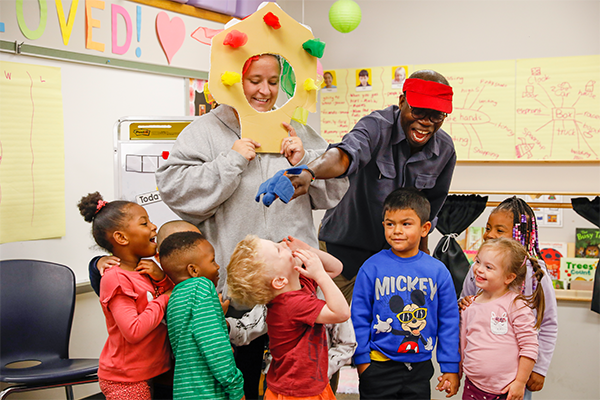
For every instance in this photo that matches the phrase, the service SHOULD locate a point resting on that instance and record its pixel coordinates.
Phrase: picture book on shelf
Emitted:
(587, 242)
(552, 253)
(577, 269)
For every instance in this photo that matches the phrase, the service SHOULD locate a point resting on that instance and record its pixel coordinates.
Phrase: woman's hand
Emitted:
(246, 147)
(291, 147)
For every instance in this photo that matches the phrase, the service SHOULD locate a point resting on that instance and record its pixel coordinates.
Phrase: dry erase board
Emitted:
(142, 145)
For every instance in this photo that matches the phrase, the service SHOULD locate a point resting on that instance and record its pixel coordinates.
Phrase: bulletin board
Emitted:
(545, 109)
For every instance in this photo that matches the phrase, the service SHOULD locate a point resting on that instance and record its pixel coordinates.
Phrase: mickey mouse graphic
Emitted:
(413, 319)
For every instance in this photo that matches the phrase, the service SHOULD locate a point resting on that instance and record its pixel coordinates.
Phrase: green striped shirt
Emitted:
(204, 363)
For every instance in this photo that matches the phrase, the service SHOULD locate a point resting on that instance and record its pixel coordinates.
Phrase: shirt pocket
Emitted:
(425, 181)
(386, 170)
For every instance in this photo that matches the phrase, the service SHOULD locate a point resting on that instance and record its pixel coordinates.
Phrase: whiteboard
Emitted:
(136, 161)
(94, 98)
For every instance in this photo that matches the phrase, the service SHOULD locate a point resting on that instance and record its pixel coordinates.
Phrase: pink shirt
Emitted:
(137, 348)
(493, 336)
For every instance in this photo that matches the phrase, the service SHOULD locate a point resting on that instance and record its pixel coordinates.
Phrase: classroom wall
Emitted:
(390, 32)
(418, 32)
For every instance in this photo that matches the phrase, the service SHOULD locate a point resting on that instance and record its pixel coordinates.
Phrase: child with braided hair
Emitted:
(514, 218)
(133, 296)
(498, 338)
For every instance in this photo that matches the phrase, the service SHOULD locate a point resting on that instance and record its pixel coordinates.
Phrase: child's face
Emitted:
(140, 232)
(203, 260)
(499, 224)
(277, 256)
(490, 271)
(364, 80)
(403, 231)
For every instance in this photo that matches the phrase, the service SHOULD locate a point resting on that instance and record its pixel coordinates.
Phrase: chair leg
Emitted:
(69, 390)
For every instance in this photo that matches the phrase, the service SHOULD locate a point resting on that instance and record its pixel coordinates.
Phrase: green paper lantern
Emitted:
(345, 15)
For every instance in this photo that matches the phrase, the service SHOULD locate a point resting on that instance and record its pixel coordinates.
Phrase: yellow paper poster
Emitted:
(483, 119)
(558, 108)
(357, 92)
(32, 200)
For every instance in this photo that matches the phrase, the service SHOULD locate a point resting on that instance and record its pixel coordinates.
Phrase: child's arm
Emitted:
(547, 335)
(516, 389)
(96, 269)
(342, 343)
(336, 308)
(250, 326)
(332, 265)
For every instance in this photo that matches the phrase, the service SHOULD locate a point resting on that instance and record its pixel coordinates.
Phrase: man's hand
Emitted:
(535, 382)
(301, 183)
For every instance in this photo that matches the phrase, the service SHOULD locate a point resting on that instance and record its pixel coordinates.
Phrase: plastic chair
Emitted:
(37, 301)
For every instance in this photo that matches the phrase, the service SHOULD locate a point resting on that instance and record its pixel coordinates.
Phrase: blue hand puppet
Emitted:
(279, 185)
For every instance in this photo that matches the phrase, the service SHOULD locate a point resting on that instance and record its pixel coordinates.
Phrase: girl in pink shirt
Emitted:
(133, 296)
(498, 337)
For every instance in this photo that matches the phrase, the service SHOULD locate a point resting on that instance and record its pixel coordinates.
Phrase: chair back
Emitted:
(37, 300)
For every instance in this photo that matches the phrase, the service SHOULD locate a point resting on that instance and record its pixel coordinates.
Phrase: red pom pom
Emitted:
(235, 39)
(272, 20)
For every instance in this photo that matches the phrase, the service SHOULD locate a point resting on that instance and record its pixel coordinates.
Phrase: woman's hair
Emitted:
(524, 228)
(248, 277)
(106, 217)
(515, 262)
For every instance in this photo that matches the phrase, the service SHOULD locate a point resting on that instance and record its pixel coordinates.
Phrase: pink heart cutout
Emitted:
(171, 34)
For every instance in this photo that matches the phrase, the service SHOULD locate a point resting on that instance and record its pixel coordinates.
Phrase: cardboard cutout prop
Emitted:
(268, 31)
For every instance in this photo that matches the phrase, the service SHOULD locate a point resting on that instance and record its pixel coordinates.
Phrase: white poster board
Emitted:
(142, 145)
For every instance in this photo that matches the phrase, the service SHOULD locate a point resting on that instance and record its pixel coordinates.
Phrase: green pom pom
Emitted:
(314, 47)
(345, 15)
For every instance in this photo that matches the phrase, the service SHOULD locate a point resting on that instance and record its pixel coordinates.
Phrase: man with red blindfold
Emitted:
(400, 146)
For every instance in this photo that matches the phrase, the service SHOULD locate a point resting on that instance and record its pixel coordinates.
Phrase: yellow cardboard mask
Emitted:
(253, 36)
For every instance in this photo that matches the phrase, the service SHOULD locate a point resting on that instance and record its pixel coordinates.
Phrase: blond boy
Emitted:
(264, 272)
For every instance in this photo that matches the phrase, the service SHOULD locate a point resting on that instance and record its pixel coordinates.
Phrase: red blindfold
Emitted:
(427, 94)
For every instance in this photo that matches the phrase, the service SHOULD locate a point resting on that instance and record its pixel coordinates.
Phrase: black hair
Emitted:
(106, 217)
(524, 225)
(179, 242)
(363, 72)
(408, 199)
(429, 75)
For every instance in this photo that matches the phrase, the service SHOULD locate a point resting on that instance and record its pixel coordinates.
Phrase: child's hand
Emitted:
(535, 382)
(150, 268)
(296, 244)
(106, 262)
(449, 383)
(360, 368)
(515, 389)
(224, 304)
(465, 302)
(313, 267)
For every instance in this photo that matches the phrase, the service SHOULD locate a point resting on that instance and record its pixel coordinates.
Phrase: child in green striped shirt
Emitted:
(204, 363)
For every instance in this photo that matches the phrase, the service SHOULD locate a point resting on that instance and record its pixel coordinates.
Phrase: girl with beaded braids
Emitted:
(133, 296)
(514, 218)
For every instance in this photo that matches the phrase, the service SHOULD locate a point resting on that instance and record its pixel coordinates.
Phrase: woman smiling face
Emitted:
(261, 82)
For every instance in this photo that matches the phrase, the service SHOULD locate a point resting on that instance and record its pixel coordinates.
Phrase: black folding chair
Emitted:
(37, 301)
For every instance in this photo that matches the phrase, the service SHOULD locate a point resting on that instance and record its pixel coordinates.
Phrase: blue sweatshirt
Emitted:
(401, 306)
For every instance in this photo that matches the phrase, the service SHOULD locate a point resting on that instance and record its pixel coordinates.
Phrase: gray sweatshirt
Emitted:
(212, 186)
